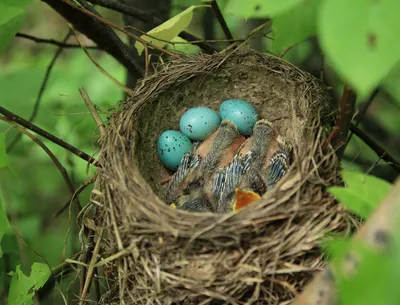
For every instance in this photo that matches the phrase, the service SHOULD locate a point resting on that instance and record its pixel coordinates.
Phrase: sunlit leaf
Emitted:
(22, 288)
(295, 24)
(168, 30)
(362, 194)
(361, 39)
(186, 48)
(259, 8)
(12, 15)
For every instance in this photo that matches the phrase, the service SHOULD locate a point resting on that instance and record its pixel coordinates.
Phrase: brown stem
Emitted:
(346, 110)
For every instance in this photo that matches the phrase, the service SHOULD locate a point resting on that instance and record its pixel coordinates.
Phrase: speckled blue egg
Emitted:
(240, 112)
(199, 122)
(171, 146)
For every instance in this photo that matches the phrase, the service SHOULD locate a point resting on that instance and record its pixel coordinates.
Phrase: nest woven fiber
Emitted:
(262, 254)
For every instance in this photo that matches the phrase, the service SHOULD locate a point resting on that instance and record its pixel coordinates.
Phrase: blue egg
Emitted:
(199, 123)
(243, 114)
(172, 145)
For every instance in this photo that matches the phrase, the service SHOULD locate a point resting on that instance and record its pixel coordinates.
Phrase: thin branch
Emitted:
(108, 75)
(284, 51)
(41, 91)
(119, 28)
(10, 116)
(55, 42)
(340, 131)
(359, 117)
(375, 147)
(92, 111)
(173, 43)
(53, 158)
(221, 19)
(146, 17)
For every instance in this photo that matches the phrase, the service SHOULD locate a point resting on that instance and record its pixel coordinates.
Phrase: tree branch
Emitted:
(340, 131)
(10, 116)
(119, 28)
(55, 42)
(146, 17)
(41, 91)
(359, 117)
(221, 19)
(101, 34)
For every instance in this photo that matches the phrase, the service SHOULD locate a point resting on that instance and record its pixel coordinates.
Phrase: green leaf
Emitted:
(295, 25)
(259, 8)
(360, 37)
(12, 14)
(168, 30)
(4, 160)
(22, 288)
(362, 194)
(4, 224)
(375, 281)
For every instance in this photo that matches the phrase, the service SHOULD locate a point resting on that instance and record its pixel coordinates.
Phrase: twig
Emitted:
(90, 270)
(146, 17)
(41, 91)
(10, 116)
(376, 233)
(108, 75)
(284, 51)
(358, 118)
(53, 158)
(375, 147)
(340, 131)
(55, 42)
(221, 19)
(92, 111)
(119, 28)
(77, 192)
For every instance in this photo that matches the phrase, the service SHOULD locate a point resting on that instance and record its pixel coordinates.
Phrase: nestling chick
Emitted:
(193, 180)
(260, 163)
(193, 202)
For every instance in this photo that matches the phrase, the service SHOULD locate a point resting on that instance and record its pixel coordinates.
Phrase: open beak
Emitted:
(243, 198)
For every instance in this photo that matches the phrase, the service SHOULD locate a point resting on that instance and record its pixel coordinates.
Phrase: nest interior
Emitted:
(262, 254)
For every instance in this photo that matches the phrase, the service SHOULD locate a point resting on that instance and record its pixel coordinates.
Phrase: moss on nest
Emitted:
(262, 254)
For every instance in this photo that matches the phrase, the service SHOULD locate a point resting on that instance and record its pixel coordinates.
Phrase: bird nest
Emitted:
(262, 254)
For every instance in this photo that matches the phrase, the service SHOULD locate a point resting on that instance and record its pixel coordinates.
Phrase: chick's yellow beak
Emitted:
(243, 198)
(173, 205)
